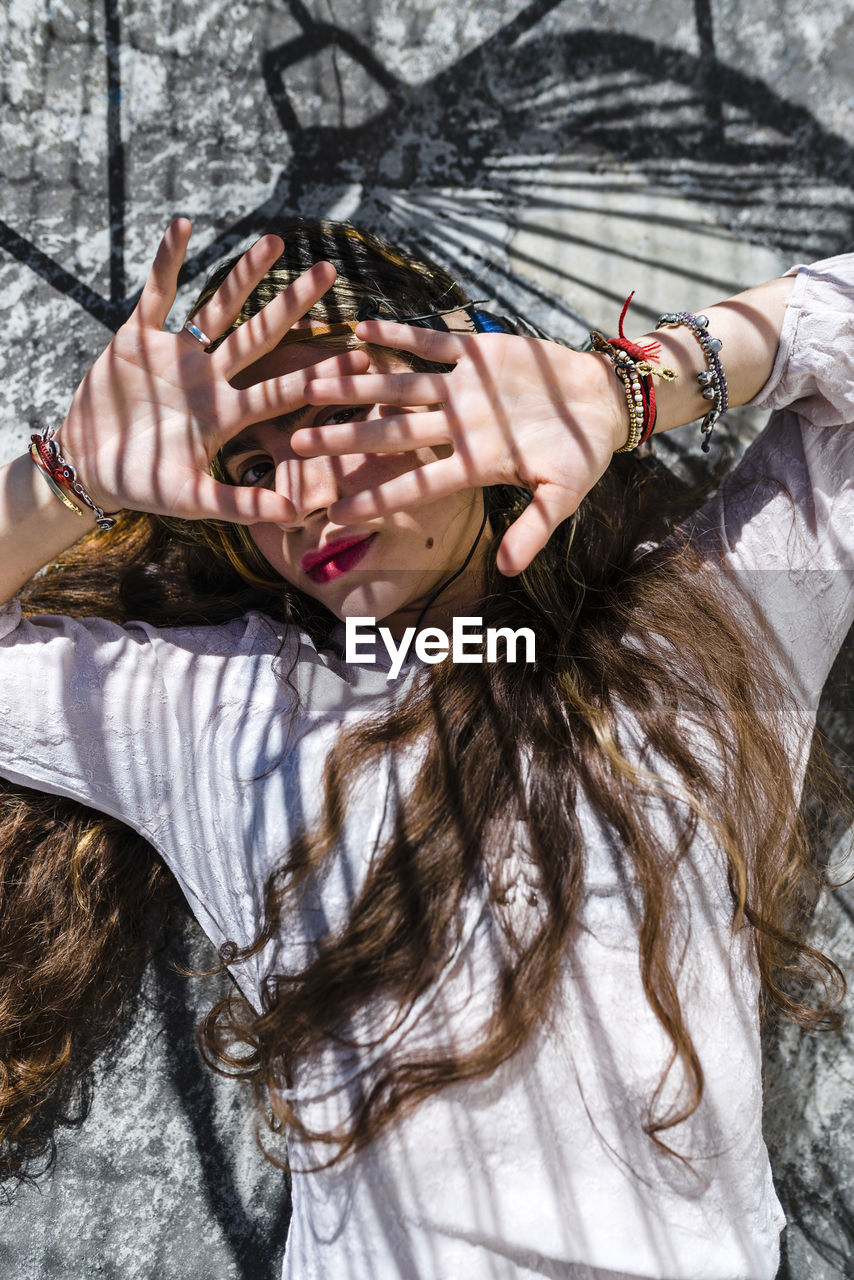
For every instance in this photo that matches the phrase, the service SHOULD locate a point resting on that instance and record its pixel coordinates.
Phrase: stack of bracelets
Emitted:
(62, 478)
(634, 366)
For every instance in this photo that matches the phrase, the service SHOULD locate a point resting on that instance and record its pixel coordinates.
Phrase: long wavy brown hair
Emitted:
(630, 628)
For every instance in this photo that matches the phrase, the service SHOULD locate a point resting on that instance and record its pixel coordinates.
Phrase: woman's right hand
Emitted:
(155, 408)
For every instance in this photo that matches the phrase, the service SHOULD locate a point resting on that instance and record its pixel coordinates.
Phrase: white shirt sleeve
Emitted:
(813, 373)
(159, 728)
(783, 522)
(107, 714)
(209, 741)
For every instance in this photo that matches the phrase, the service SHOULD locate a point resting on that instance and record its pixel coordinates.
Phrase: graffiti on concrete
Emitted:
(444, 161)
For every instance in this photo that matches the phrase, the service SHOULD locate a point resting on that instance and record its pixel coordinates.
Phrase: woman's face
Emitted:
(386, 567)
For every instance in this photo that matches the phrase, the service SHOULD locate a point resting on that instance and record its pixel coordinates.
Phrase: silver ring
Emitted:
(195, 332)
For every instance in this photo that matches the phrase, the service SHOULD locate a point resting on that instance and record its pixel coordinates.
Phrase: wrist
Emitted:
(60, 475)
(614, 397)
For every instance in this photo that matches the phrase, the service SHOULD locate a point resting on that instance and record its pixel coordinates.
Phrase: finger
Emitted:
(161, 285)
(380, 388)
(223, 308)
(276, 396)
(413, 489)
(530, 532)
(430, 344)
(394, 434)
(210, 499)
(265, 330)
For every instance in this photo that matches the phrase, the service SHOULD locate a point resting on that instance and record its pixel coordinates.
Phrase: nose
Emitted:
(310, 484)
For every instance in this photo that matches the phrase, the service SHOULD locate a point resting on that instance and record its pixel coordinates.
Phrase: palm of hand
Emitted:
(149, 416)
(146, 421)
(513, 410)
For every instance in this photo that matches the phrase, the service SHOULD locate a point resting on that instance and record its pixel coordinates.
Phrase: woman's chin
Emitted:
(363, 601)
(396, 594)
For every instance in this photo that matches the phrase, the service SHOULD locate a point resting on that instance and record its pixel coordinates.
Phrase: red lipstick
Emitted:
(337, 557)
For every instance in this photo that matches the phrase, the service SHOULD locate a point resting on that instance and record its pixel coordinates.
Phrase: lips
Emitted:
(337, 557)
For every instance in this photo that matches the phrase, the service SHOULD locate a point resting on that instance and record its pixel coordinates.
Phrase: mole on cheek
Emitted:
(429, 542)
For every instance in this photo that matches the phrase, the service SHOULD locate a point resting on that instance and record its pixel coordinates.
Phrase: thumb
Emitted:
(531, 531)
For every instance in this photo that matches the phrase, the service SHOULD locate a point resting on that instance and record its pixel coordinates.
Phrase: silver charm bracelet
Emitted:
(712, 380)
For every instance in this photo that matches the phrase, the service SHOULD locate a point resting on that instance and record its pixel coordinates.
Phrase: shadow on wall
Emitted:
(487, 126)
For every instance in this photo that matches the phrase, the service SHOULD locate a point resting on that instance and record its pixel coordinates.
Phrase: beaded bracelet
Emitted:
(624, 368)
(711, 380)
(635, 372)
(62, 478)
(637, 404)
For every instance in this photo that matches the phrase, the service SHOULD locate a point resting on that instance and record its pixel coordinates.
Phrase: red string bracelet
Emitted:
(642, 356)
(62, 478)
(638, 360)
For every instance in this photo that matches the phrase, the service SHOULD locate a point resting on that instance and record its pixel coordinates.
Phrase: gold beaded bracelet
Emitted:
(626, 370)
(634, 399)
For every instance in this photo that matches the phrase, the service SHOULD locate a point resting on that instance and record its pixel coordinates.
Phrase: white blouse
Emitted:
(199, 739)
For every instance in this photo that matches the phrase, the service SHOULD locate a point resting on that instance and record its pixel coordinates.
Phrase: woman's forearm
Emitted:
(35, 526)
(748, 326)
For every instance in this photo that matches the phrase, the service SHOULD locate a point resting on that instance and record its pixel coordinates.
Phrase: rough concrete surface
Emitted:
(554, 155)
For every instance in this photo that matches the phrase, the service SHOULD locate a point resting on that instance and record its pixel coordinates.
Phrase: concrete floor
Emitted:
(553, 155)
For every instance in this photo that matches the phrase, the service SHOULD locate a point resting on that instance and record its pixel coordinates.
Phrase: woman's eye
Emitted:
(349, 414)
(256, 472)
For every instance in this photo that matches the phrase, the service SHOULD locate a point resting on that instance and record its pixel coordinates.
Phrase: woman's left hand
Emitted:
(517, 411)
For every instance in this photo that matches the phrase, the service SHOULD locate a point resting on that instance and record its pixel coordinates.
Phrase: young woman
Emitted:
(500, 920)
